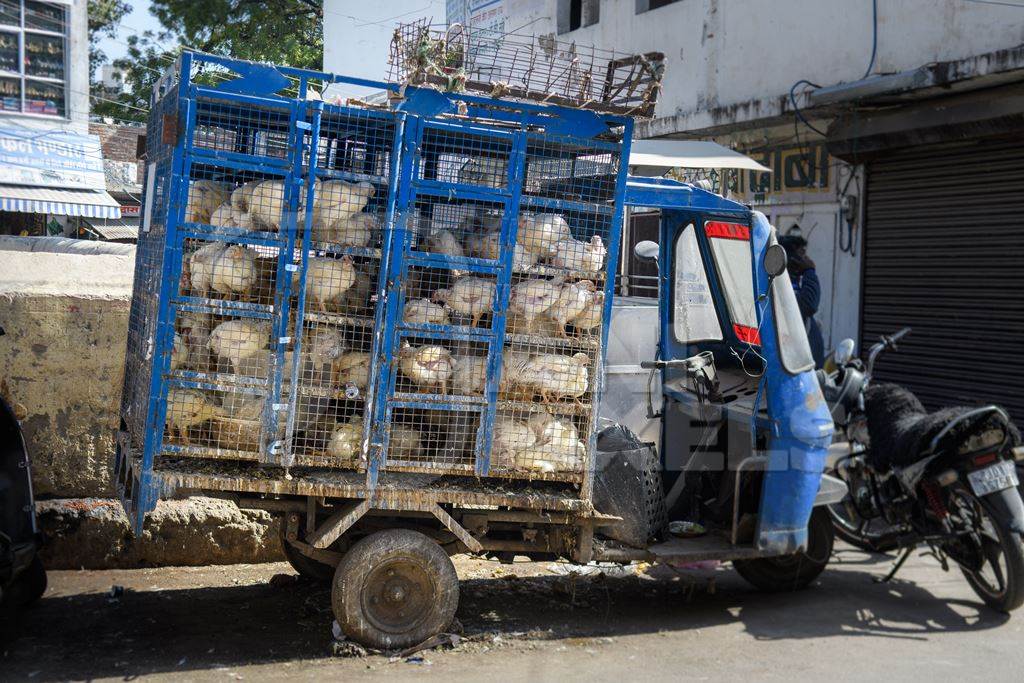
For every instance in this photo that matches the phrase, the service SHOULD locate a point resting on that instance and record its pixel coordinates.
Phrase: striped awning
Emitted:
(89, 203)
(121, 229)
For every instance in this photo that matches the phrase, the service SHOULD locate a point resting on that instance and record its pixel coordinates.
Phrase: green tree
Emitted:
(286, 32)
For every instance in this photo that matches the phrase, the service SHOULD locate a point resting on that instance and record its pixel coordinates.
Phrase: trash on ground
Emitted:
(685, 529)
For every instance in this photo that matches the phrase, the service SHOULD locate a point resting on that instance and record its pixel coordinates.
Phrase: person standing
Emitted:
(808, 291)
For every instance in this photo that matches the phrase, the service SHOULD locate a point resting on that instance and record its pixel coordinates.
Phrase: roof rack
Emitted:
(535, 68)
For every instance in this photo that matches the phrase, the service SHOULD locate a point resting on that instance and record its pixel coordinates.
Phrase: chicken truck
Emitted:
(389, 323)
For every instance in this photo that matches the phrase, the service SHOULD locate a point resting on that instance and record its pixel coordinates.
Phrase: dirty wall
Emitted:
(62, 358)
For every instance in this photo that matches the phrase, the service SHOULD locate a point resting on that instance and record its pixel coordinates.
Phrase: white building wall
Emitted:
(76, 81)
(729, 52)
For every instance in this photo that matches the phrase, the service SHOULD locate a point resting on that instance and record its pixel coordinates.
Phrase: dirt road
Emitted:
(524, 622)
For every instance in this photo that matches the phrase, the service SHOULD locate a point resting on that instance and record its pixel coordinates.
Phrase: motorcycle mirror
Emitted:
(844, 352)
(646, 250)
(774, 260)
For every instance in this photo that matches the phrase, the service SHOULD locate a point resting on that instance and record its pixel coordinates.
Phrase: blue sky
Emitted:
(139, 21)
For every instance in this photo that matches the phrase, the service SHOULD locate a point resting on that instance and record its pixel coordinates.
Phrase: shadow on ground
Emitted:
(201, 629)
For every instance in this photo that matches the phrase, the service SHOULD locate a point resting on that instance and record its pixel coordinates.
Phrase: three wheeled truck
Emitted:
(389, 324)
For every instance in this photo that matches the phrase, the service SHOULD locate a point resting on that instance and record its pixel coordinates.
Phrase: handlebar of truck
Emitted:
(664, 364)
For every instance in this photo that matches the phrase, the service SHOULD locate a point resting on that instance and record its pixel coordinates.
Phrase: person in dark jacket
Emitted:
(807, 289)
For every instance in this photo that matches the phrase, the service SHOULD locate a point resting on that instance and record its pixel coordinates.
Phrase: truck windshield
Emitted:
(794, 349)
(730, 245)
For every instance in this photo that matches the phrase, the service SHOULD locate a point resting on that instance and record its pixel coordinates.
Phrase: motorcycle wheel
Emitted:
(1000, 580)
(872, 536)
(793, 572)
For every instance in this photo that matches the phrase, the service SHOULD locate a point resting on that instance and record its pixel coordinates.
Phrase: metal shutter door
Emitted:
(944, 253)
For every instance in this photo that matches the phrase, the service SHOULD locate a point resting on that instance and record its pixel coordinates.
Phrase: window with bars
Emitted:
(33, 57)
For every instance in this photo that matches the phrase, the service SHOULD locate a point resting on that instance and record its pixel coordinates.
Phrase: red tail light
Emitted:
(984, 459)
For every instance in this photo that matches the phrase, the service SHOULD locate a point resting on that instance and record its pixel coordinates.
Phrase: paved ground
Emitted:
(524, 622)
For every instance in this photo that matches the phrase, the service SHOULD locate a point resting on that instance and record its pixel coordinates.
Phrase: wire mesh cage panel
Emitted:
(524, 66)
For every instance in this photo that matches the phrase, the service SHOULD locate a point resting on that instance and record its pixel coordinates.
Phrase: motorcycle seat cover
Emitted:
(901, 429)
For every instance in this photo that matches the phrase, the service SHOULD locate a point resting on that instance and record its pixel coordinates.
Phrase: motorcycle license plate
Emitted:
(1002, 475)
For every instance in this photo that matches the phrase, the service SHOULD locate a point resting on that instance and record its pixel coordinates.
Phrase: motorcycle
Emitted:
(946, 480)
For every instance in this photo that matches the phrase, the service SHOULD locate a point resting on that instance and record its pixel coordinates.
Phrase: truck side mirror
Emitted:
(646, 250)
(774, 260)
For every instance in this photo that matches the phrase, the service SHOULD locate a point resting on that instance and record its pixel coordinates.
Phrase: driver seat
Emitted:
(901, 430)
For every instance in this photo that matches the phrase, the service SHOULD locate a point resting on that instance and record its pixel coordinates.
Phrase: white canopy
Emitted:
(655, 157)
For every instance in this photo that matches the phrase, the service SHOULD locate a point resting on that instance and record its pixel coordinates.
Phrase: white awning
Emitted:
(114, 229)
(656, 156)
(61, 202)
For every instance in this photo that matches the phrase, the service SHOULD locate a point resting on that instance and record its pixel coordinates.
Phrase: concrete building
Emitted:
(51, 169)
(893, 130)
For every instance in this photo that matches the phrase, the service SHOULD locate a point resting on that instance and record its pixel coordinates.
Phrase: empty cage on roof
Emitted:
(341, 288)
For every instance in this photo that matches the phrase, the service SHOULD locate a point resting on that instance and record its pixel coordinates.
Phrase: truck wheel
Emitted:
(394, 589)
(793, 572)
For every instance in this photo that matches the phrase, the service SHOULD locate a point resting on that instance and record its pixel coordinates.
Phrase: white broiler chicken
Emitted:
(557, 449)
(346, 442)
(441, 241)
(242, 195)
(195, 329)
(356, 230)
(240, 342)
(200, 266)
(556, 376)
(404, 442)
(488, 246)
(179, 352)
(266, 205)
(321, 347)
(234, 271)
(352, 368)
(187, 408)
(514, 384)
(424, 312)
(540, 232)
(592, 316)
(581, 256)
(532, 298)
(469, 375)
(336, 200)
(472, 296)
(573, 300)
(509, 437)
(327, 279)
(227, 216)
(204, 196)
(427, 366)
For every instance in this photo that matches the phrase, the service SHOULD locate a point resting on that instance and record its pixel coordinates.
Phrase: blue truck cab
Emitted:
(743, 425)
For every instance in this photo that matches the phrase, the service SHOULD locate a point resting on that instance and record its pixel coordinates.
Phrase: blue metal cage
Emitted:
(327, 290)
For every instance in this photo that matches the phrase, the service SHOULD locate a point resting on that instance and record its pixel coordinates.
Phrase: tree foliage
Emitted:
(286, 32)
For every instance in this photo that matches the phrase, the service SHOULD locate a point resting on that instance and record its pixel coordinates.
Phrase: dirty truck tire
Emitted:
(307, 567)
(793, 572)
(394, 589)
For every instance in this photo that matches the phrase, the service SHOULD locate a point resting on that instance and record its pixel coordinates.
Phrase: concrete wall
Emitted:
(66, 322)
(66, 317)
